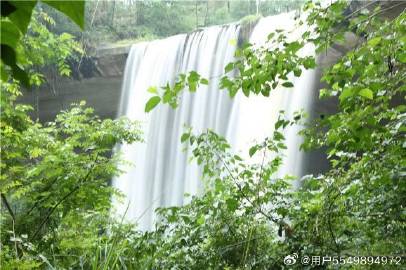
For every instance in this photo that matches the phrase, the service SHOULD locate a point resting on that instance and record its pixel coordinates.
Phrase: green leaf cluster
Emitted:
(55, 177)
(354, 208)
(15, 18)
(171, 94)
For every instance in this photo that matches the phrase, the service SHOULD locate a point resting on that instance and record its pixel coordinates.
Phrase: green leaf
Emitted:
(297, 72)
(402, 57)
(4, 75)
(278, 136)
(229, 67)
(287, 84)
(152, 103)
(366, 93)
(21, 17)
(270, 36)
(324, 93)
(294, 46)
(279, 123)
(192, 86)
(8, 56)
(184, 137)
(232, 204)
(309, 62)
(232, 42)
(374, 41)
(204, 81)
(193, 76)
(193, 79)
(167, 96)
(246, 91)
(200, 220)
(10, 34)
(346, 94)
(153, 90)
(253, 150)
(75, 10)
(218, 186)
(236, 157)
(179, 85)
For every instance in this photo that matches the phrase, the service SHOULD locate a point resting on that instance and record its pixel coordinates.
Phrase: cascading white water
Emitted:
(162, 174)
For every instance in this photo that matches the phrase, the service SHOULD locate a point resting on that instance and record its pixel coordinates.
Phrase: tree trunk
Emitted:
(197, 19)
(206, 16)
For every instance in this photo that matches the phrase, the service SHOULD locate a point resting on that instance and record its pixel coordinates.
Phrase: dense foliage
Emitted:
(55, 176)
(357, 207)
(15, 19)
(129, 21)
(54, 179)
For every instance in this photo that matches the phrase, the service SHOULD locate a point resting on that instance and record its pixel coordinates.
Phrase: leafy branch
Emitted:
(67, 195)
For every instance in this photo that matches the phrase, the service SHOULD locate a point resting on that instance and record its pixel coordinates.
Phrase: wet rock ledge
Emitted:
(95, 79)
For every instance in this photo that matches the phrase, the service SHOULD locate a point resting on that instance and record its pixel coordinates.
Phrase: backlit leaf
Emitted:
(374, 41)
(75, 10)
(287, 84)
(366, 93)
(152, 103)
(22, 16)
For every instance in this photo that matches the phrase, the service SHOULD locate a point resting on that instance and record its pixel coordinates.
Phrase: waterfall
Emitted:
(258, 114)
(162, 173)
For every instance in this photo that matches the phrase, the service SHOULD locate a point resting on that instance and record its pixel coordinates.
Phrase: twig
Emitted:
(10, 211)
(244, 241)
(83, 37)
(43, 199)
(262, 165)
(379, 12)
(53, 210)
(63, 199)
(330, 226)
(358, 10)
(245, 196)
(248, 245)
(15, 242)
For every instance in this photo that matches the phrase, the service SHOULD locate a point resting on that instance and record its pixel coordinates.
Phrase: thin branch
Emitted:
(10, 211)
(15, 242)
(53, 209)
(330, 226)
(379, 12)
(47, 188)
(83, 37)
(358, 10)
(50, 212)
(243, 241)
(262, 165)
(245, 196)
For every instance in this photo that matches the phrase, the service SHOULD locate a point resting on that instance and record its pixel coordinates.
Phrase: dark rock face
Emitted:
(316, 161)
(101, 93)
(97, 80)
(389, 9)
(110, 61)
